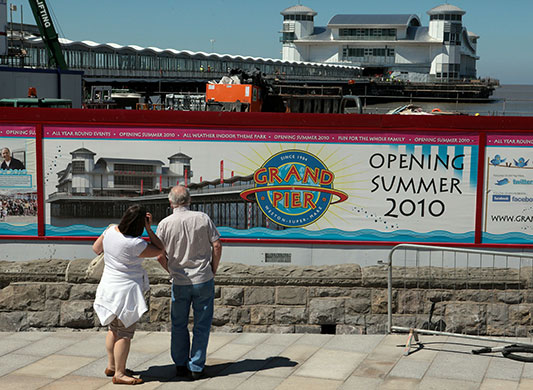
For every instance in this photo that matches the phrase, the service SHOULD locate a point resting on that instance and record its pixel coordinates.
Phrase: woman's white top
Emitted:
(124, 280)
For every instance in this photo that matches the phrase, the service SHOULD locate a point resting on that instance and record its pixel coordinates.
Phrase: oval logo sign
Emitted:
(294, 188)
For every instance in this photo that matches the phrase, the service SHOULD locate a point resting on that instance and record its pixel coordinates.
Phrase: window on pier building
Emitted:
(367, 34)
(78, 166)
(134, 168)
(298, 17)
(450, 17)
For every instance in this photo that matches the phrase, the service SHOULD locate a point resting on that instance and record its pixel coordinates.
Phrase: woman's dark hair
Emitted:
(132, 222)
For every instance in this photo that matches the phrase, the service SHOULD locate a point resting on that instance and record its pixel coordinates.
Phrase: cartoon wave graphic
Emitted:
(18, 230)
(298, 233)
(78, 230)
(73, 230)
(507, 238)
(360, 235)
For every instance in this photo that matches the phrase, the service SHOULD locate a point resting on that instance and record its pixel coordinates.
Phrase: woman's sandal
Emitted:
(109, 372)
(135, 381)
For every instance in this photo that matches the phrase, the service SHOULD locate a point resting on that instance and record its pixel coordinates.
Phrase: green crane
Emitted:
(48, 34)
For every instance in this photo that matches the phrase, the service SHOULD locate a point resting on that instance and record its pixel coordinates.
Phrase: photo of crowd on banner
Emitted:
(15, 206)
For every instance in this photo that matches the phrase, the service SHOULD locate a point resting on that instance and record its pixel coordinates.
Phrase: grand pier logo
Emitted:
(294, 188)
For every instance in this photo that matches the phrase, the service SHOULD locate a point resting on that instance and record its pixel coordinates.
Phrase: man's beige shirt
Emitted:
(187, 236)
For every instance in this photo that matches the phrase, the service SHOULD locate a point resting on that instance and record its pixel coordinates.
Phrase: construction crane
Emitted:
(48, 34)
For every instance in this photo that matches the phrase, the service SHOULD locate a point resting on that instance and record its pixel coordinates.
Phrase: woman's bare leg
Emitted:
(110, 340)
(121, 350)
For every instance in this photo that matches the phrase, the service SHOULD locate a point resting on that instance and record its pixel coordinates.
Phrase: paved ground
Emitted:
(76, 360)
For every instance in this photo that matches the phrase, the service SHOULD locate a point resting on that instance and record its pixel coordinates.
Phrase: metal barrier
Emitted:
(469, 293)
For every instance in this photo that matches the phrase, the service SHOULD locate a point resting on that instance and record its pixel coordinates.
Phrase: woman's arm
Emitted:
(98, 246)
(156, 247)
(156, 241)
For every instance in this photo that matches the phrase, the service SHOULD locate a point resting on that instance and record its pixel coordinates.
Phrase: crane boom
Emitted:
(48, 33)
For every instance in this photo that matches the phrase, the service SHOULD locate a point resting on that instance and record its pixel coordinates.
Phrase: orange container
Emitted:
(231, 93)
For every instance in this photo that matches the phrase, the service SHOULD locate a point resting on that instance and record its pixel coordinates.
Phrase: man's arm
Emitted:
(216, 248)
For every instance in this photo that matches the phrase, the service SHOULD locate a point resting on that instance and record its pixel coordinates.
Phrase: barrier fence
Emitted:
(468, 293)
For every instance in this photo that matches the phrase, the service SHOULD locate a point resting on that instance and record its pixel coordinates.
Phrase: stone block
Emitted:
(510, 297)
(40, 270)
(232, 296)
(261, 315)
(43, 319)
(290, 315)
(379, 301)
(255, 328)
(292, 295)
(474, 295)
(156, 273)
(58, 291)
(161, 290)
(376, 324)
(410, 301)
(222, 315)
(280, 329)
(77, 314)
(159, 310)
(259, 295)
(327, 292)
(228, 328)
(326, 311)
(466, 317)
(82, 292)
(315, 329)
(355, 319)
(23, 296)
(356, 306)
(349, 329)
(52, 305)
(76, 272)
(218, 292)
(520, 314)
(13, 322)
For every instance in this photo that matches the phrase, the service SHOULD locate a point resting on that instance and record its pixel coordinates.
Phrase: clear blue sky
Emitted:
(252, 27)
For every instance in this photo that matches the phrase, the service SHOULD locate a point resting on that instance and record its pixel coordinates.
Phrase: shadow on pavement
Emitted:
(167, 373)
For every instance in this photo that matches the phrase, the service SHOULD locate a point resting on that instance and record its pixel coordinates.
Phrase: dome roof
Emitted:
(446, 9)
(298, 10)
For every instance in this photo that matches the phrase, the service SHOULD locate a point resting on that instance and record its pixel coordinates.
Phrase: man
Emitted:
(10, 162)
(193, 251)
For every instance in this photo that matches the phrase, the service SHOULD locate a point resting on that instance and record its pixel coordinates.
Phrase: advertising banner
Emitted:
(18, 185)
(283, 184)
(508, 216)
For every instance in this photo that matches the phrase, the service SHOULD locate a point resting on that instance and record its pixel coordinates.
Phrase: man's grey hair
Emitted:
(179, 196)
(9, 151)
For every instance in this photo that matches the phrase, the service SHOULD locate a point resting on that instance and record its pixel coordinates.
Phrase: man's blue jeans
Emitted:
(201, 296)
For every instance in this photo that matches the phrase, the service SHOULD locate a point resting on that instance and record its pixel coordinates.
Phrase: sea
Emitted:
(507, 100)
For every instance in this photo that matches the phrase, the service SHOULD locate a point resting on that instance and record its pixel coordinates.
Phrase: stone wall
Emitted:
(47, 294)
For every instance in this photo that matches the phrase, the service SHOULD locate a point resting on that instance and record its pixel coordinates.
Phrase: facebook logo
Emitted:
(501, 198)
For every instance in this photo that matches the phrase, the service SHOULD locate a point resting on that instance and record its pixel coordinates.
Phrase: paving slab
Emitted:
(462, 366)
(331, 364)
(406, 368)
(498, 384)
(54, 366)
(14, 361)
(295, 382)
(26, 382)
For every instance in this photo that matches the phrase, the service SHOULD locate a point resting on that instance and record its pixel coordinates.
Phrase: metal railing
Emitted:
(471, 293)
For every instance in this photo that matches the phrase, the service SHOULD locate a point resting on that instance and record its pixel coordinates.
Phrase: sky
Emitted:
(251, 27)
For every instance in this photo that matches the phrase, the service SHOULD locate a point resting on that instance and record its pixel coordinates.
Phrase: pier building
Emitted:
(444, 50)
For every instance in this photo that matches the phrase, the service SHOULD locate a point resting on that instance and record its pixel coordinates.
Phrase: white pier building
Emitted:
(385, 43)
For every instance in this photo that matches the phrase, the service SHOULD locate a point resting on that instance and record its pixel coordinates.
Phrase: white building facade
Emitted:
(444, 50)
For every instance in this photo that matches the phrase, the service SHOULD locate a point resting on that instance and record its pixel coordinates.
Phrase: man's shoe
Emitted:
(195, 375)
(182, 371)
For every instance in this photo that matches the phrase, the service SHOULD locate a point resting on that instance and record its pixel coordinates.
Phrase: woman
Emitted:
(119, 299)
